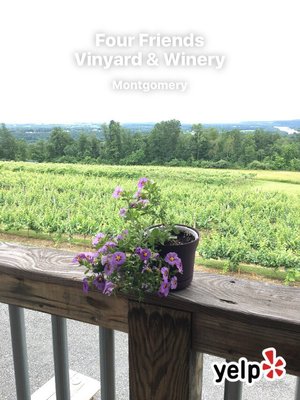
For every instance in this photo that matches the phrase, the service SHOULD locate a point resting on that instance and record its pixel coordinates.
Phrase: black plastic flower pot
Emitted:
(185, 251)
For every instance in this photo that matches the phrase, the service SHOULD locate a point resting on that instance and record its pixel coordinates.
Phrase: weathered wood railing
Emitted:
(218, 315)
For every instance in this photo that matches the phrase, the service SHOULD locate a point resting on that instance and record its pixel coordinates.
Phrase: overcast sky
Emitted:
(41, 83)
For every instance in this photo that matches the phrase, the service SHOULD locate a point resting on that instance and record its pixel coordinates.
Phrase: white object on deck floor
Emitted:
(81, 387)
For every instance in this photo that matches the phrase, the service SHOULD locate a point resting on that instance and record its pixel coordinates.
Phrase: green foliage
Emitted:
(58, 141)
(129, 262)
(113, 143)
(162, 141)
(166, 144)
(239, 221)
(258, 165)
(39, 151)
(8, 144)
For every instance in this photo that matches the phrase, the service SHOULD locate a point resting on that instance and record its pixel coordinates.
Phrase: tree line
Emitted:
(165, 144)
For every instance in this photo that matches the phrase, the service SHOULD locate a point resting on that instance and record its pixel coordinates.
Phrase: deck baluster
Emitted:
(297, 396)
(233, 390)
(217, 315)
(18, 339)
(61, 359)
(107, 363)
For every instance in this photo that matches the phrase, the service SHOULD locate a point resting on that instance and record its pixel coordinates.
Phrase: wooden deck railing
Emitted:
(218, 315)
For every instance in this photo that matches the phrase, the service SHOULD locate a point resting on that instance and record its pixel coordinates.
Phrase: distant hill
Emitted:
(34, 132)
(270, 126)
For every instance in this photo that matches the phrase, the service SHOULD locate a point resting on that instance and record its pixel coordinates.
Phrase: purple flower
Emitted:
(143, 202)
(102, 249)
(125, 232)
(122, 212)
(172, 258)
(138, 250)
(103, 285)
(117, 192)
(178, 265)
(142, 182)
(99, 282)
(108, 288)
(118, 258)
(91, 257)
(133, 204)
(105, 259)
(137, 194)
(88, 256)
(164, 289)
(119, 237)
(144, 254)
(85, 285)
(110, 244)
(76, 259)
(97, 238)
(174, 282)
(79, 257)
(109, 268)
(165, 273)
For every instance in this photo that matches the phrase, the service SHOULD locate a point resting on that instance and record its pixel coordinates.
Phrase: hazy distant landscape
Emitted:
(271, 145)
(34, 132)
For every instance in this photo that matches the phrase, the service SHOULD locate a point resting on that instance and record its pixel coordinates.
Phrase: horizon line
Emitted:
(149, 122)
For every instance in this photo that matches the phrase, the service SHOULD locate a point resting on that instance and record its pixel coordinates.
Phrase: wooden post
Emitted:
(196, 373)
(159, 352)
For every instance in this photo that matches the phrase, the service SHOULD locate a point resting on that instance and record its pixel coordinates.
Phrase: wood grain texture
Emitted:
(230, 317)
(234, 317)
(232, 336)
(159, 349)
(241, 318)
(196, 375)
(246, 297)
(46, 280)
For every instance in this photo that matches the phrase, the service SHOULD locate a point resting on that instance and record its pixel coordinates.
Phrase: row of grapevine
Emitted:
(238, 221)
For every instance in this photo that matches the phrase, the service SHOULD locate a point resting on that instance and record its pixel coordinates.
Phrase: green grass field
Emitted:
(278, 176)
(244, 216)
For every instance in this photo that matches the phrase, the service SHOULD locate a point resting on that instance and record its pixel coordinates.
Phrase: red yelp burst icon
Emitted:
(273, 367)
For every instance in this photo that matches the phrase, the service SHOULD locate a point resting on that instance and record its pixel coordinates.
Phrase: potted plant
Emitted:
(183, 241)
(151, 255)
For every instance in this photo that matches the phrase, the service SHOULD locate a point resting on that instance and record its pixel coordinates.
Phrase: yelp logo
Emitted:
(271, 368)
